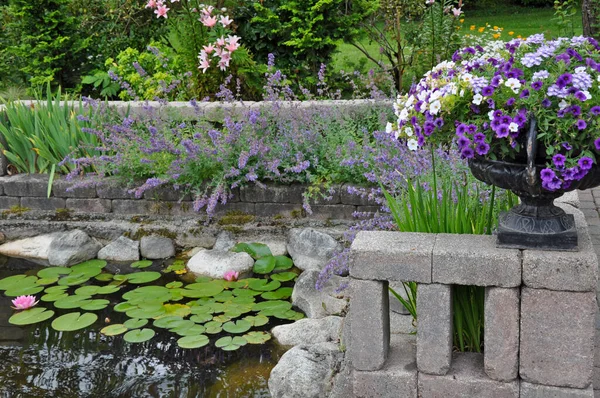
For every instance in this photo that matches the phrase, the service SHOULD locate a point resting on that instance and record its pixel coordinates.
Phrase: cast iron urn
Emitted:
(535, 223)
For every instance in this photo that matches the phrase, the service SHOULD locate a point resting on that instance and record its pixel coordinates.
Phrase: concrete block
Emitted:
(47, 204)
(571, 198)
(123, 206)
(434, 331)
(332, 196)
(561, 270)
(557, 337)
(166, 193)
(368, 209)
(2, 179)
(529, 390)
(501, 333)
(398, 378)
(6, 202)
(590, 213)
(392, 256)
(370, 339)
(26, 185)
(466, 379)
(173, 208)
(351, 195)
(276, 209)
(96, 205)
(335, 212)
(111, 188)
(273, 193)
(62, 188)
(455, 261)
(243, 207)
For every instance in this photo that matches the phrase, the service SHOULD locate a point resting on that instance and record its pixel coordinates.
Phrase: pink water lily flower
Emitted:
(24, 302)
(231, 275)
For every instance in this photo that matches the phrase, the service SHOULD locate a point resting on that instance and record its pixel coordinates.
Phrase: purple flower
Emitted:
(585, 163)
(551, 185)
(467, 153)
(581, 124)
(524, 94)
(439, 122)
(575, 110)
(559, 160)
(510, 101)
(567, 146)
(595, 110)
(536, 85)
(569, 174)
(564, 79)
(479, 138)
(462, 141)
(461, 129)
(472, 129)
(546, 103)
(547, 174)
(502, 131)
(487, 91)
(597, 144)
(482, 148)
(580, 96)
(496, 122)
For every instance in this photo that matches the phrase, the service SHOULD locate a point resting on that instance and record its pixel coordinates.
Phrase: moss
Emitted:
(140, 220)
(234, 229)
(236, 218)
(62, 214)
(153, 232)
(297, 213)
(278, 217)
(18, 210)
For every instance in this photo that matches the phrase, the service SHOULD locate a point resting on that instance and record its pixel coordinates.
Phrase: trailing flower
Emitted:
(482, 101)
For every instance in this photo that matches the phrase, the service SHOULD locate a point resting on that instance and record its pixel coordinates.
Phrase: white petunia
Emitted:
(408, 131)
(388, 127)
(477, 98)
(562, 104)
(462, 93)
(435, 107)
(412, 144)
(514, 127)
(514, 84)
(491, 115)
(403, 115)
(587, 95)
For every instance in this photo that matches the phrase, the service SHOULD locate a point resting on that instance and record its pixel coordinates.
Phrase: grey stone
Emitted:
(3, 164)
(6, 202)
(305, 371)
(2, 238)
(243, 207)
(314, 303)
(331, 196)
(225, 241)
(35, 185)
(34, 249)
(72, 247)
(466, 379)
(395, 304)
(370, 339)
(335, 212)
(277, 247)
(311, 249)
(402, 324)
(368, 209)
(95, 205)
(272, 193)
(358, 196)
(46, 204)
(529, 390)
(342, 383)
(434, 332)
(398, 378)
(455, 261)
(77, 188)
(122, 249)
(392, 256)
(501, 333)
(156, 247)
(214, 263)
(288, 210)
(165, 193)
(557, 337)
(570, 198)
(121, 206)
(1, 179)
(111, 188)
(309, 331)
(203, 239)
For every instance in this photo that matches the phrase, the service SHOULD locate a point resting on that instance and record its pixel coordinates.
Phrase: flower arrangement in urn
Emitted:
(531, 101)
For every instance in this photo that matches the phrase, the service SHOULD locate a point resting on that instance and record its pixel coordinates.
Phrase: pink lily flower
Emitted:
(225, 20)
(209, 22)
(152, 4)
(207, 10)
(208, 49)
(161, 11)
(24, 302)
(231, 275)
(204, 65)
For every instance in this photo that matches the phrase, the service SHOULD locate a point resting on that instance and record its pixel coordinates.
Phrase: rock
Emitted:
(225, 241)
(305, 371)
(309, 331)
(278, 247)
(71, 248)
(214, 263)
(314, 303)
(156, 247)
(192, 252)
(311, 249)
(122, 249)
(2, 238)
(34, 249)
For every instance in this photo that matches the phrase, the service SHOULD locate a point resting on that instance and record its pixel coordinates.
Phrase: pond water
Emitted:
(38, 361)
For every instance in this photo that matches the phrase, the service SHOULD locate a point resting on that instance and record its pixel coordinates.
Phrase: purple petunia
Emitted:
(559, 160)
(547, 174)
(597, 144)
(510, 101)
(567, 146)
(461, 129)
(546, 103)
(581, 124)
(482, 148)
(467, 153)
(585, 163)
(536, 85)
(595, 110)
(564, 79)
(487, 91)
(502, 131)
(463, 141)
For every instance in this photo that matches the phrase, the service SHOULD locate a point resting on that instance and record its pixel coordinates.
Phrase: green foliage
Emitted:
(564, 15)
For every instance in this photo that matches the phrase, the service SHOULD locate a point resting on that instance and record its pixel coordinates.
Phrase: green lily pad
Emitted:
(167, 321)
(108, 289)
(257, 337)
(24, 290)
(113, 330)
(141, 264)
(70, 302)
(203, 279)
(148, 293)
(289, 315)
(246, 292)
(263, 285)
(283, 263)
(120, 278)
(243, 300)
(104, 277)
(256, 250)
(238, 327)
(89, 290)
(229, 343)
(183, 324)
(80, 275)
(273, 305)
(50, 297)
(95, 305)
(201, 317)
(264, 265)
(74, 321)
(190, 331)
(193, 341)
(234, 284)
(138, 335)
(213, 327)
(46, 281)
(201, 308)
(124, 307)
(30, 316)
(224, 296)
(206, 289)
(258, 320)
(90, 263)
(222, 318)
(216, 307)
(176, 266)
(143, 277)
(279, 294)
(16, 280)
(174, 284)
(145, 313)
(53, 272)
(135, 323)
(55, 289)
(284, 276)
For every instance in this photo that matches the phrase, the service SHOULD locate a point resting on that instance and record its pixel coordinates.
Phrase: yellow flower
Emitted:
(496, 35)
(181, 271)
(481, 29)
(519, 37)
(495, 27)
(461, 20)
(511, 33)
(472, 27)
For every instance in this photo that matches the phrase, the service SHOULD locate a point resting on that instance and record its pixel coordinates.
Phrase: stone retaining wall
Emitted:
(539, 317)
(109, 196)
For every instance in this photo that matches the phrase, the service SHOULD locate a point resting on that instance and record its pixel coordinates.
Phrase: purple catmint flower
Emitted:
(581, 124)
(585, 163)
(559, 160)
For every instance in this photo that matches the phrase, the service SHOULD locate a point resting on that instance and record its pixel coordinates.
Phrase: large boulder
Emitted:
(72, 247)
(315, 303)
(309, 331)
(122, 249)
(34, 249)
(305, 371)
(311, 249)
(214, 263)
(156, 247)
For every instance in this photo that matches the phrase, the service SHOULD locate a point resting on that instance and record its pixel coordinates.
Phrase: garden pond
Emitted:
(117, 330)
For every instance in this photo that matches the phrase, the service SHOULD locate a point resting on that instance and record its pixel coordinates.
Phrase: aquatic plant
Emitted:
(24, 302)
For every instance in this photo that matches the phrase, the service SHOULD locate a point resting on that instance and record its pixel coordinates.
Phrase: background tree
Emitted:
(590, 13)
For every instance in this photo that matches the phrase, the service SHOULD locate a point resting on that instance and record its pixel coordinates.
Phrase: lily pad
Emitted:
(213, 327)
(201, 309)
(95, 305)
(246, 292)
(138, 335)
(193, 341)
(203, 279)
(55, 289)
(53, 272)
(263, 285)
(46, 281)
(135, 323)
(109, 289)
(273, 305)
(124, 307)
(224, 296)
(89, 290)
(289, 315)
(190, 331)
(238, 327)
(283, 263)
(258, 320)
(181, 325)
(145, 313)
(206, 289)
(257, 337)
(53, 296)
(243, 300)
(177, 309)
(143, 277)
(71, 302)
(74, 321)
(141, 264)
(90, 263)
(279, 294)
(104, 277)
(113, 330)
(229, 343)
(30, 316)
(201, 317)
(256, 250)
(17, 280)
(177, 265)
(167, 321)
(174, 284)
(284, 276)
(264, 265)
(24, 290)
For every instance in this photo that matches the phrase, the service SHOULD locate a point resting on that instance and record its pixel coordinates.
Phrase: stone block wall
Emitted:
(110, 196)
(539, 316)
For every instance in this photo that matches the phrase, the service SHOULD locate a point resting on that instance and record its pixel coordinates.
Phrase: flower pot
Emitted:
(535, 223)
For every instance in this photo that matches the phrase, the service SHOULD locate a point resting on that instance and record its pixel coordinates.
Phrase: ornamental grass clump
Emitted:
(486, 98)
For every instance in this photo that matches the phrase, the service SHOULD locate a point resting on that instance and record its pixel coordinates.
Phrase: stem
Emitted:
(435, 192)
(491, 211)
